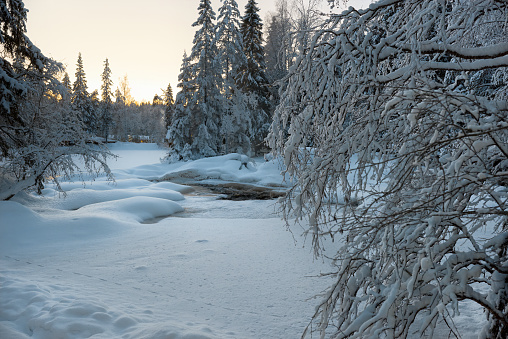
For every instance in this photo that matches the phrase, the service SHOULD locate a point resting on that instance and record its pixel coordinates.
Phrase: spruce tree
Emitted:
(15, 44)
(206, 81)
(229, 43)
(66, 92)
(169, 106)
(81, 99)
(235, 121)
(94, 97)
(95, 112)
(157, 100)
(179, 132)
(106, 102)
(66, 81)
(17, 51)
(252, 78)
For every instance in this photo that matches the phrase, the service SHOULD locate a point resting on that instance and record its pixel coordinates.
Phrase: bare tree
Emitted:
(124, 89)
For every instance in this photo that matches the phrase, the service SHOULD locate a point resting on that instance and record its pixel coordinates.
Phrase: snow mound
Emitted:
(220, 270)
(80, 197)
(148, 172)
(16, 215)
(134, 208)
(17, 224)
(172, 186)
(102, 184)
(22, 228)
(232, 167)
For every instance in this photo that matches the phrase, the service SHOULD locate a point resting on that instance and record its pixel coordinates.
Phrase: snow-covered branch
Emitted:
(394, 125)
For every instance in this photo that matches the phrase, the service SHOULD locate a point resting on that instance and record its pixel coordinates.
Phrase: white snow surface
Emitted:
(149, 259)
(145, 258)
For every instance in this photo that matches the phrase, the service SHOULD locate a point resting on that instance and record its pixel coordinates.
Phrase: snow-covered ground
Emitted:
(145, 258)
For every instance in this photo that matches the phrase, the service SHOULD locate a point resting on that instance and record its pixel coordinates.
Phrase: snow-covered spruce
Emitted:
(107, 102)
(400, 112)
(251, 78)
(194, 131)
(236, 126)
(82, 101)
(169, 106)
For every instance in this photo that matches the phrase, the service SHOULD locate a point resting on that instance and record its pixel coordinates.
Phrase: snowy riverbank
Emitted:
(94, 264)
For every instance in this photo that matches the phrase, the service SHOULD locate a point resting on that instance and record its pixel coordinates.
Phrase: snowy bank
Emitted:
(106, 261)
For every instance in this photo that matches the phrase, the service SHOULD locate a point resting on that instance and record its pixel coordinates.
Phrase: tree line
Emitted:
(118, 116)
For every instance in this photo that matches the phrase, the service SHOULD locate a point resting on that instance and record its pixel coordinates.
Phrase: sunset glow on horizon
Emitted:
(145, 42)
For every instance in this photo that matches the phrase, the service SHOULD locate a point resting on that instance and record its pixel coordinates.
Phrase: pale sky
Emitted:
(143, 39)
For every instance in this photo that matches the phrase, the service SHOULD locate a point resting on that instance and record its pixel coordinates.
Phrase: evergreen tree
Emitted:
(236, 125)
(17, 49)
(186, 85)
(14, 44)
(252, 78)
(66, 90)
(229, 43)
(67, 82)
(94, 97)
(157, 100)
(231, 58)
(179, 132)
(169, 106)
(81, 99)
(95, 112)
(205, 105)
(107, 101)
